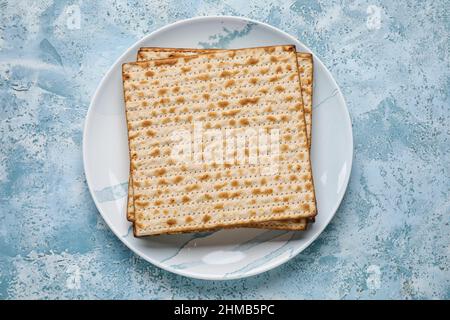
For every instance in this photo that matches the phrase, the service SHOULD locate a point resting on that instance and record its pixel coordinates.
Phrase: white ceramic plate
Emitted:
(225, 254)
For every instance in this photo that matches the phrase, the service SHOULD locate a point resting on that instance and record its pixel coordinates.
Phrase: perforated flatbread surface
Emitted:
(305, 67)
(247, 88)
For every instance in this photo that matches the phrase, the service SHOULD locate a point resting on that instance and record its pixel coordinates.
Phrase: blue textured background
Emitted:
(390, 237)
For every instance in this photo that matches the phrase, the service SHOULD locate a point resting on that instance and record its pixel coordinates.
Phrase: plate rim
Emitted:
(137, 251)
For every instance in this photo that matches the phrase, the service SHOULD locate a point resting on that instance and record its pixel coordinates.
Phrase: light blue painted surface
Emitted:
(390, 237)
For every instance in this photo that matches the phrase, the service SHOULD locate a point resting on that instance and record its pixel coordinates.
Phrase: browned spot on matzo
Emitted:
(244, 122)
(269, 49)
(188, 219)
(141, 203)
(252, 61)
(151, 133)
(169, 62)
(171, 222)
(225, 74)
(223, 104)
(155, 153)
(203, 77)
(219, 186)
(160, 172)
(279, 89)
(162, 91)
(264, 71)
(245, 101)
(177, 179)
(192, 187)
(274, 78)
(224, 195)
(229, 83)
(279, 209)
(230, 113)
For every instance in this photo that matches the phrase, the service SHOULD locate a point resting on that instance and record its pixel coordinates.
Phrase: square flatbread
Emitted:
(305, 66)
(247, 89)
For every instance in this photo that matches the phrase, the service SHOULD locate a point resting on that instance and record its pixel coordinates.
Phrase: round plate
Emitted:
(225, 254)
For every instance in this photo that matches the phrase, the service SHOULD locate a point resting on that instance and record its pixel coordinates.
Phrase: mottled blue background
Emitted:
(390, 237)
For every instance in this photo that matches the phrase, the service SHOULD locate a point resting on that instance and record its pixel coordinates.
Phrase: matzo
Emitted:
(155, 53)
(305, 68)
(261, 87)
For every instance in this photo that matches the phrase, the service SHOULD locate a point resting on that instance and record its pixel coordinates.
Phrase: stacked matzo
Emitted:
(306, 73)
(257, 88)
